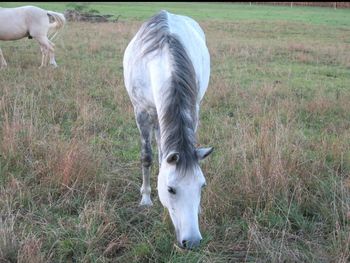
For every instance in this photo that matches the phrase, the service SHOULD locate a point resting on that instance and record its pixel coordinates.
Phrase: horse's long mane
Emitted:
(177, 116)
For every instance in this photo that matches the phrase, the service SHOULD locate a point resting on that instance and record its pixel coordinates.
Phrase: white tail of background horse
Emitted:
(32, 22)
(166, 73)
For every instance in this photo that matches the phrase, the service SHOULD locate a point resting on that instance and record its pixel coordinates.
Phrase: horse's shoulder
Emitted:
(180, 20)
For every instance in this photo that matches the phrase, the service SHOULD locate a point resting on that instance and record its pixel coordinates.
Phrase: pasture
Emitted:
(276, 111)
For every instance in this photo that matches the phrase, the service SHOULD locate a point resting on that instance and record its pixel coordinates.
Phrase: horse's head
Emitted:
(180, 192)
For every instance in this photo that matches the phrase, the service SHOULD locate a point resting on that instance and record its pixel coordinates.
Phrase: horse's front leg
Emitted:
(2, 60)
(43, 56)
(52, 56)
(145, 125)
(52, 60)
(47, 49)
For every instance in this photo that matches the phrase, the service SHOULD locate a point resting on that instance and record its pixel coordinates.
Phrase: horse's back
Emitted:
(151, 73)
(22, 10)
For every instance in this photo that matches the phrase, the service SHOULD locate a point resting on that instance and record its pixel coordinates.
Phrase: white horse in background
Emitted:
(32, 22)
(166, 73)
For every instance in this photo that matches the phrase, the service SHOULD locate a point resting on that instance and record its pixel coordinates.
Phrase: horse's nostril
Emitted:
(190, 244)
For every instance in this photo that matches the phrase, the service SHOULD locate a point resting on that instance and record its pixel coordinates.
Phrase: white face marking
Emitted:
(182, 201)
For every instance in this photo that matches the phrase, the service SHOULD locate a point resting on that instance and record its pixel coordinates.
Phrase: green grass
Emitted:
(213, 11)
(276, 111)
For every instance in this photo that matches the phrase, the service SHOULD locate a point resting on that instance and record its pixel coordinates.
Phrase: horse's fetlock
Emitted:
(145, 190)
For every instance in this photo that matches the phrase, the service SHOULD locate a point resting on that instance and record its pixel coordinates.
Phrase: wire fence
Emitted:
(334, 5)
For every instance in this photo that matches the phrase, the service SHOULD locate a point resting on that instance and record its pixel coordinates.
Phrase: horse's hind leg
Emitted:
(2, 60)
(145, 125)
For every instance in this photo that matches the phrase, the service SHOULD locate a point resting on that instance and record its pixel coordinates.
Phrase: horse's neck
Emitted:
(177, 124)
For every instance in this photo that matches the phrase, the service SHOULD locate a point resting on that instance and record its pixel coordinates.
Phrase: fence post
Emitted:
(335, 5)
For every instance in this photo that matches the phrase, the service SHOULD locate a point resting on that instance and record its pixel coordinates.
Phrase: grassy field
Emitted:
(276, 111)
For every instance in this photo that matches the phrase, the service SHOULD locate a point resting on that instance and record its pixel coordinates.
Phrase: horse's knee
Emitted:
(44, 49)
(46, 45)
(146, 159)
(51, 49)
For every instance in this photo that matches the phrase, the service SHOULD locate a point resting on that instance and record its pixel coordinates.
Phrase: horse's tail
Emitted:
(58, 24)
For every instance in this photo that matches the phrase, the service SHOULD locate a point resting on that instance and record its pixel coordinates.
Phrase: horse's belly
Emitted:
(13, 31)
(8, 37)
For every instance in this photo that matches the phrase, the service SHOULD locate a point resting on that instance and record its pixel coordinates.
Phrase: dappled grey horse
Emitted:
(166, 73)
(32, 22)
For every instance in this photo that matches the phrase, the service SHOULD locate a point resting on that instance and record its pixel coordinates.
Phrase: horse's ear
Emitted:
(173, 158)
(202, 153)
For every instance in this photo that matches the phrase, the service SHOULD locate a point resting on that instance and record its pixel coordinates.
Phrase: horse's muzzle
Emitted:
(190, 243)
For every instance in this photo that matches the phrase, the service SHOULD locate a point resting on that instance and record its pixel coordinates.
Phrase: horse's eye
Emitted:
(204, 185)
(171, 190)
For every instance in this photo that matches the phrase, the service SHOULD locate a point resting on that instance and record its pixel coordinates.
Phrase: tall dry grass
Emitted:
(276, 112)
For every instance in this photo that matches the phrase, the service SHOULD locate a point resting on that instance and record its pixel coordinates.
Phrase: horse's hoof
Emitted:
(146, 202)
